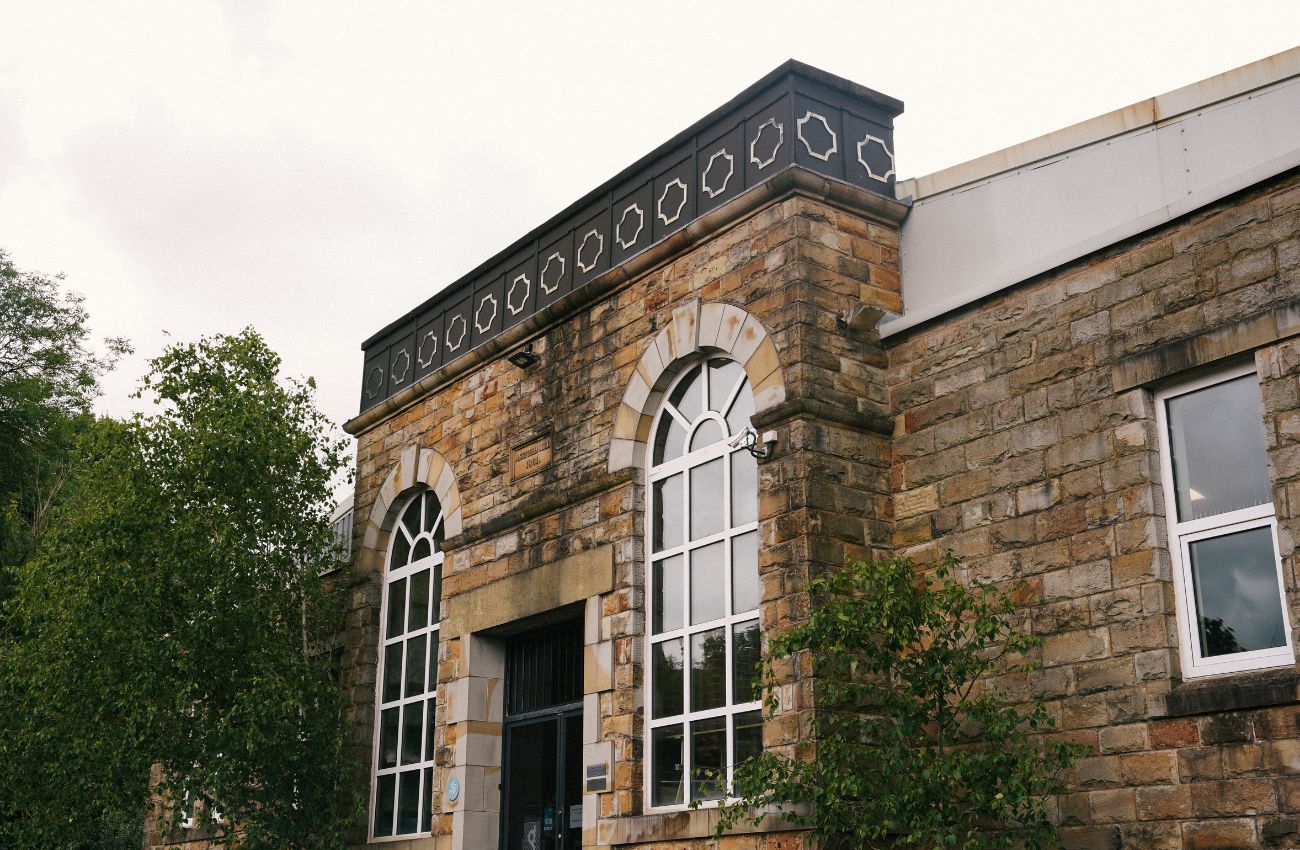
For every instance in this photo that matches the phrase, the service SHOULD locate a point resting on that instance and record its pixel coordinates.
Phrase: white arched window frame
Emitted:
(703, 589)
(402, 791)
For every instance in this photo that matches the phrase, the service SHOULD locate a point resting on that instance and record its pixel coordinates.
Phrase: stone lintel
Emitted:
(1176, 357)
(536, 591)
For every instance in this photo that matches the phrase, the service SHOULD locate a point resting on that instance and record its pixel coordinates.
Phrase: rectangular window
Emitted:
(1222, 527)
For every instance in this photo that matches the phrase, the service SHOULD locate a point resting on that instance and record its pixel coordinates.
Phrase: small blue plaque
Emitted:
(453, 789)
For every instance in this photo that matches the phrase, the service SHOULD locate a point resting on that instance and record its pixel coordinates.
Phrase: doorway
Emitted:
(542, 757)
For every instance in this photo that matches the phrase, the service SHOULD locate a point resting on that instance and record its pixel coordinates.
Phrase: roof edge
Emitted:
(1144, 113)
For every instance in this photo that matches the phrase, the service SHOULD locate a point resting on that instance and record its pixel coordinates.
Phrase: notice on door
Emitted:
(575, 817)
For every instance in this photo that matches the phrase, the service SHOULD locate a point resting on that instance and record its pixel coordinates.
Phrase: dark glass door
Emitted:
(542, 758)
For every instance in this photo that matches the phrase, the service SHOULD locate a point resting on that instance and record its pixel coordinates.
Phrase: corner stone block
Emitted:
(710, 323)
(407, 467)
(651, 365)
(598, 667)
(763, 362)
(591, 621)
(484, 658)
(590, 718)
(663, 342)
(747, 342)
(770, 393)
(446, 490)
(626, 421)
(452, 523)
(685, 328)
(622, 453)
(431, 467)
(637, 394)
(733, 319)
(474, 830)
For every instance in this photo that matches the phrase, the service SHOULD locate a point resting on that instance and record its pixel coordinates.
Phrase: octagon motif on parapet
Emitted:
(779, 129)
(522, 286)
(554, 259)
(823, 152)
(864, 150)
(640, 224)
(706, 179)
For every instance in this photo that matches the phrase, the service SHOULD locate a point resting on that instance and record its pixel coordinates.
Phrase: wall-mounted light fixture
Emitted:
(524, 357)
(749, 441)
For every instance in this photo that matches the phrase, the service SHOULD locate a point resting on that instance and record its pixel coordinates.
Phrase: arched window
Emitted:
(703, 587)
(408, 671)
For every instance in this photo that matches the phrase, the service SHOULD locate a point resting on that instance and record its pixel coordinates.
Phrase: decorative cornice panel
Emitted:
(795, 115)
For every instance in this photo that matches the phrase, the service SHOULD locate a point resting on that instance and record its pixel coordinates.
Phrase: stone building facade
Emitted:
(1036, 429)
(1072, 363)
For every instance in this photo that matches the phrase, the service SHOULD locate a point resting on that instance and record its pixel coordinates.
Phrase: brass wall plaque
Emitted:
(530, 458)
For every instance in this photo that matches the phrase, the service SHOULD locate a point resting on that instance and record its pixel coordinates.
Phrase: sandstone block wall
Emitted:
(1025, 441)
(795, 266)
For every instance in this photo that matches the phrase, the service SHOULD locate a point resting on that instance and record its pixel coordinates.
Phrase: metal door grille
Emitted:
(544, 669)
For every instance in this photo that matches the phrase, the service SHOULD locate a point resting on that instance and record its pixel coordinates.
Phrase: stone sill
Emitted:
(1234, 692)
(680, 826)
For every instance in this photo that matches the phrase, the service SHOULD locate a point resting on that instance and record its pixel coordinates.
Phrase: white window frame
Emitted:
(1183, 534)
(682, 465)
(431, 672)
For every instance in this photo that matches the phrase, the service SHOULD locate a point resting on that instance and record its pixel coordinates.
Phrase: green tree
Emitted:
(912, 745)
(48, 379)
(174, 616)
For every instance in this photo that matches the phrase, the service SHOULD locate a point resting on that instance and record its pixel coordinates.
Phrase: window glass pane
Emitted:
(707, 434)
(688, 395)
(747, 740)
(666, 743)
(408, 802)
(706, 499)
(667, 660)
(412, 724)
(388, 738)
(1216, 442)
(430, 707)
(436, 592)
(745, 588)
(723, 376)
(421, 549)
(707, 588)
(666, 612)
(415, 648)
(708, 669)
(1237, 603)
(384, 805)
(744, 488)
(418, 612)
(667, 513)
(392, 672)
(426, 820)
(670, 439)
(741, 410)
(401, 550)
(411, 517)
(708, 753)
(396, 607)
(744, 668)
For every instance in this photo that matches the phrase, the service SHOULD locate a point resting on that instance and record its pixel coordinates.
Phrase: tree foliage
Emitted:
(912, 747)
(174, 616)
(48, 379)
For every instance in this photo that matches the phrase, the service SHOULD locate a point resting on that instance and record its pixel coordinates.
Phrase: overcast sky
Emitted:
(316, 169)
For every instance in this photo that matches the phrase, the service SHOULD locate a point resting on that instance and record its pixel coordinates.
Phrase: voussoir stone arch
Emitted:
(695, 329)
(416, 467)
